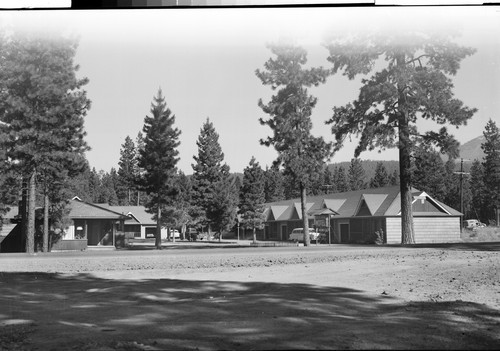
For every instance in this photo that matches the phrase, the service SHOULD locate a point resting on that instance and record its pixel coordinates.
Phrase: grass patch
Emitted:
(481, 234)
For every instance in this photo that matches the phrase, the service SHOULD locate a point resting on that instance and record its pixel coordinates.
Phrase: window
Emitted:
(150, 232)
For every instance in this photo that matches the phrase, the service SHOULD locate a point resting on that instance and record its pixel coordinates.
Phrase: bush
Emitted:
(376, 238)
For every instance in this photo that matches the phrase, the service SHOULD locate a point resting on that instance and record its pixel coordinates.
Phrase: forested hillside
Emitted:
(369, 167)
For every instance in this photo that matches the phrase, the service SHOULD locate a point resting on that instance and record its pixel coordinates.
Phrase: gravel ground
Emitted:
(321, 297)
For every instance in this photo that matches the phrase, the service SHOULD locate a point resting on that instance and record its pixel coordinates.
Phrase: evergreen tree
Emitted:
(330, 187)
(428, 172)
(43, 104)
(181, 211)
(222, 211)
(127, 173)
(94, 186)
(394, 178)
(301, 154)
(491, 166)
(252, 198)
(142, 198)
(159, 159)
(356, 175)
(381, 178)
(237, 183)
(273, 185)
(454, 190)
(478, 191)
(209, 179)
(341, 179)
(413, 85)
(108, 182)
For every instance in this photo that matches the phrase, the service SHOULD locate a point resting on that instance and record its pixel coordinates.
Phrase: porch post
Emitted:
(113, 231)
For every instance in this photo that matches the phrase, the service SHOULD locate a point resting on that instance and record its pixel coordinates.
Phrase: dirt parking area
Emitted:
(319, 297)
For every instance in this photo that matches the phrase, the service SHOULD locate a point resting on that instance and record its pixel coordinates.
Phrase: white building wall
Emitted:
(427, 230)
(143, 232)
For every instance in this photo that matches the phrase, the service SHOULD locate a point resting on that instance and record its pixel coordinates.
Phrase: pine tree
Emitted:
(301, 154)
(209, 179)
(252, 198)
(142, 198)
(413, 85)
(330, 187)
(127, 172)
(341, 179)
(381, 178)
(43, 104)
(159, 159)
(222, 211)
(491, 166)
(428, 172)
(356, 175)
(394, 178)
(478, 191)
(182, 214)
(273, 185)
(108, 185)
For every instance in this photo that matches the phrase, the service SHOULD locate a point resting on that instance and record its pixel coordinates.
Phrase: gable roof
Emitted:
(379, 202)
(138, 214)
(84, 210)
(333, 204)
(277, 211)
(374, 201)
(298, 209)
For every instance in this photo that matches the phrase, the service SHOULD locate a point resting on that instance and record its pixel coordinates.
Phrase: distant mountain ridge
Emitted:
(471, 150)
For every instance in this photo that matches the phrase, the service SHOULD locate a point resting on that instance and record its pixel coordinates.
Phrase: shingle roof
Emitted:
(81, 209)
(380, 202)
(138, 213)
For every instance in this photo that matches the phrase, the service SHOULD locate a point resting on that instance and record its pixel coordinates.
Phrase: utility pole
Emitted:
(461, 190)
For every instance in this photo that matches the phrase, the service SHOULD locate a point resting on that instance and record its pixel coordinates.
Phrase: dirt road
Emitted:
(338, 297)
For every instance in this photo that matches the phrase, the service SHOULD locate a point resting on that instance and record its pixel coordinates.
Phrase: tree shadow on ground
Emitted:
(81, 312)
(465, 246)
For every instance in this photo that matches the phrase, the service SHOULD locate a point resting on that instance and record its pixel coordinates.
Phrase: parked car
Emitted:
(473, 224)
(297, 235)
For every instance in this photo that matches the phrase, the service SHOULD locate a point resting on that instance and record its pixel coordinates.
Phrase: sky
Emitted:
(204, 60)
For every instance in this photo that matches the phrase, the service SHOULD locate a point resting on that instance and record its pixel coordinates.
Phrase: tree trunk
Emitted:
(254, 236)
(407, 233)
(23, 211)
(183, 232)
(158, 228)
(305, 220)
(30, 235)
(46, 220)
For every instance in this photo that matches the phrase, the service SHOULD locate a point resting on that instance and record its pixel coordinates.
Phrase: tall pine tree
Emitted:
(252, 197)
(127, 172)
(43, 104)
(273, 185)
(491, 166)
(301, 153)
(356, 175)
(478, 191)
(213, 193)
(414, 84)
(159, 159)
(341, 179)
(381, 178)
(428, 172)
